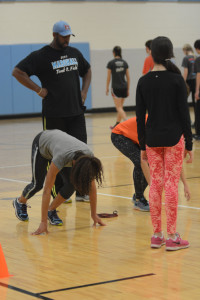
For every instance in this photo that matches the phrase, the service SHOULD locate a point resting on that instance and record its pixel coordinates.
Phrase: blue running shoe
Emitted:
(54, 218)
(141, 204)
(20, 210)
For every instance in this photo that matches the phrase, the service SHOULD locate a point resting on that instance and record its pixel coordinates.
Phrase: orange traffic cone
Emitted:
(3, 265)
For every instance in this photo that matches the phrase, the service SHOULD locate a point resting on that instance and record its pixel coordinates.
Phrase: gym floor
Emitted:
(77, 261)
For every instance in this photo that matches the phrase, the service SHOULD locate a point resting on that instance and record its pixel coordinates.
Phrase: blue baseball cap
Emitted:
(62, 28)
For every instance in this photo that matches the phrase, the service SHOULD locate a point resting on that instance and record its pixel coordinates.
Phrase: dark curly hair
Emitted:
(84, 171)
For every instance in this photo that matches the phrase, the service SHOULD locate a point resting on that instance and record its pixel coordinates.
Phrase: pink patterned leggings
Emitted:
(165, 168)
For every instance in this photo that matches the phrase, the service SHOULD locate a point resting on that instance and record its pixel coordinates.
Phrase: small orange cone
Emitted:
(3, 265)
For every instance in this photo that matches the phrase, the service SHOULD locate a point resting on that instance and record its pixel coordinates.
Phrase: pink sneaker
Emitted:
(176, 244)
(157, 242)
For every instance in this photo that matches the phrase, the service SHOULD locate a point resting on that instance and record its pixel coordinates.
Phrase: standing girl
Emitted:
(163, 94)
(118, 68)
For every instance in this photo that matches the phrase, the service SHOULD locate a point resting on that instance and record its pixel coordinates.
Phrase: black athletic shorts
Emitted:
(119, 93)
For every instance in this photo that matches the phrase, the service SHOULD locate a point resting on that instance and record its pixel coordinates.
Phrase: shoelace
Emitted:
(24, 207)
(144, 201)
(54, 214)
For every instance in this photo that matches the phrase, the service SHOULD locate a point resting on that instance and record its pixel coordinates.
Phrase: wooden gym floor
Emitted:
(77, 261)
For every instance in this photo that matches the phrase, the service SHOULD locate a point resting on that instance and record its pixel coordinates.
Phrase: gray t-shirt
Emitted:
(188, 62)
(60, 147)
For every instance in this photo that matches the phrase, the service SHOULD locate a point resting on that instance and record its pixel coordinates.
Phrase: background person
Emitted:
(124, 137)
(163, 94)
(118, 70)
(197, 94)
(188, 73)
(148, 63)
(82, 171)
(58, 67)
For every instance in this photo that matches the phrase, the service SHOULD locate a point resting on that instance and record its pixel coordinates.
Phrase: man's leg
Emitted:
(76, 127)
(60, 124)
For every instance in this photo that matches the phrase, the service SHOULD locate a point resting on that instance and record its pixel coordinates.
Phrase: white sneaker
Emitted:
(68, 201)
(84, 198)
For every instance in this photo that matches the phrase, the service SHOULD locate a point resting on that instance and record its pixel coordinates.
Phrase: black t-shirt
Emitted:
(163, 94)
(118, 68)
(58, 71)
(188, 62)
(197, 65)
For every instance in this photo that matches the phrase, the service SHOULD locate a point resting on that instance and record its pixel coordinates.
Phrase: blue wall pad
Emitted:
(15, 99)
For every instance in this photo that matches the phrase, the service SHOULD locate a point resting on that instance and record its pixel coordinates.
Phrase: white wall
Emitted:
(103, 24)
(135, 59)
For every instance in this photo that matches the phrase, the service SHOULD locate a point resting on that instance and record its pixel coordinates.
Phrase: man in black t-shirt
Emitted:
(197, 93)
(58, 67)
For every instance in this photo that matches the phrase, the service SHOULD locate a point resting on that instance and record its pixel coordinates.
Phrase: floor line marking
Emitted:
(184, 206)
(16, 166)
(11, 287)
(26, 165)
(14, 180)
(96, 283)
(109, 195)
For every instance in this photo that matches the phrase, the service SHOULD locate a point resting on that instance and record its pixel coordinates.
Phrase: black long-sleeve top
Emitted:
(163, 94)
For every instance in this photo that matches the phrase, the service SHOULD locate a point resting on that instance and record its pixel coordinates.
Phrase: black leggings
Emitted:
(192, 85)
(39, 171)
(74, 126)
(132, 151)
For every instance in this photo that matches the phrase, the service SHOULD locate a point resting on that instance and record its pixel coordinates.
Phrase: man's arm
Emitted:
(85, 84)
(46, 196)
(25, 80)
(93, 204)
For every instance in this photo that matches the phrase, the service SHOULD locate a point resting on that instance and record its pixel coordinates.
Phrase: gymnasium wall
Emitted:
(102, 25)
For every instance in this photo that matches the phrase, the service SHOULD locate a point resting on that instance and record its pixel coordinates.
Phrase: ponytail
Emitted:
(117, 51)
(170, 66)
(162, 52)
